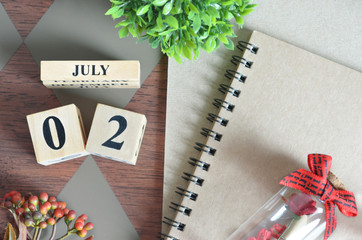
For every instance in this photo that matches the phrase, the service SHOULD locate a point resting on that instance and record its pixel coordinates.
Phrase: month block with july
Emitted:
(90, 74)
(57, 134)
(116, 134)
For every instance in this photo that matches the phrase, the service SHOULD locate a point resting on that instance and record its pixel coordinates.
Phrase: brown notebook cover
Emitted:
(292, 103)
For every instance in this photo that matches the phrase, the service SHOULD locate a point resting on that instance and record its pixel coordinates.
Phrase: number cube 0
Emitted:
(116, 134)
(57, 134)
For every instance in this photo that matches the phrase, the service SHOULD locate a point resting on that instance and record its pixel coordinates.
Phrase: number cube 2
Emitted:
(116, 134)
(57, 134)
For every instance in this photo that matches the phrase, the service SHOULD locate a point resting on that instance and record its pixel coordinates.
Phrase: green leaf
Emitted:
(159, 21)
(166, 32)
(227, 3)
(187, 35)
(177, 58)
(133, 31)
(247, 11)
(191, 44)
(155, 43)
(143, 10)
(10, 233)
(191, 15)
(118, 14)
(229, 45)
(116, 2)
(197, 52)
(217, 45)
(172, 21)
(239, 2)
(186, 9)
(206, 18)
(192, 32)
(123, 32)
(213, 20)
(122, 24)
(159, 3)
(167, 37)
(210, 44)
(178, 48)
(187, 52)
(212, 12)
(251, 5)
(197, 23)
(223, 38)
(150, 15)
(167, 8)
(229, 15)
(178, 5)
(193, 8)
(112, 10)
(239, 20)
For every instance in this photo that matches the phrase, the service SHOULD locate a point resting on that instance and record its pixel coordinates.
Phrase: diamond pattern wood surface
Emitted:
(138, 188)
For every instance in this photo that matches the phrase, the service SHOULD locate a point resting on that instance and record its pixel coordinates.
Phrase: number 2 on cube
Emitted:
(122, 125)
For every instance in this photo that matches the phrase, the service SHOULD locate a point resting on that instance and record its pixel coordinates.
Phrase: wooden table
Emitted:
(138, 188)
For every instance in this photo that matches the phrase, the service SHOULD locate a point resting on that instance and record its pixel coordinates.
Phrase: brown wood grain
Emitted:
(138, 188)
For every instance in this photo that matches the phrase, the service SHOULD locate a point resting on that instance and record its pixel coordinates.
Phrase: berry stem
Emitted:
(36, 233)
(64, 236)
(53, 232)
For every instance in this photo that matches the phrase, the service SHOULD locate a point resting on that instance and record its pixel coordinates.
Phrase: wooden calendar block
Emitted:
(90, 74)
(57, 134)
(116, 134)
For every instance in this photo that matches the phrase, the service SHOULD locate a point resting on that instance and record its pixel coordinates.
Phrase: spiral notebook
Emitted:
(280, 104)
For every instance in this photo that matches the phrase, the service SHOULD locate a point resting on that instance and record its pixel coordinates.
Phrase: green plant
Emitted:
(39, 212)
(181, 27)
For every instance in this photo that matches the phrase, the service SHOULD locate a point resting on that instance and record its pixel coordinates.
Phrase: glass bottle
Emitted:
(288, 215)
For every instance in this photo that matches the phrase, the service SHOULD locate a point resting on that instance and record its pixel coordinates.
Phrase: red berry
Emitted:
(52, 199)
(79, 220)
(8, 204)
(66, 211)
(37, 216)
(79, 225)
(7, 197)
(58, 213)
(43, 225)
(43, 209)
(51, 221)
(16, 198)
(34, 200)
(28, 195)
(82, 233)
(54, 205)
(19, 211)
(71, 215)
(12, 193)
(32, 207)
(48, 205)
(88, 226)
(26, 207)
(89, 238)
(27, 215)
(29, 222)
(84, 217)
(43, 197)
(62, 205)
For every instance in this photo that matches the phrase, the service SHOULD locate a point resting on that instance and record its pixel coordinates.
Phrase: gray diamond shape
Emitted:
(10, 39)
(79, 30)
(88, 192)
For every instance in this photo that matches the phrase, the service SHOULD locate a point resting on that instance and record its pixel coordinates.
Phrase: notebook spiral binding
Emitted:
(219, 103)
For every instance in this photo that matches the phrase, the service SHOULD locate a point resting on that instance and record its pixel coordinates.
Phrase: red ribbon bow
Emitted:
(315, 183)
